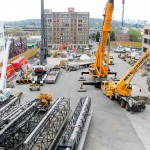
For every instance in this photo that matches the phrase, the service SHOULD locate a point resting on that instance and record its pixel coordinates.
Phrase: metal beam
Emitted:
(71, 136)
(9, 108)
(13, 122)
(46, 131)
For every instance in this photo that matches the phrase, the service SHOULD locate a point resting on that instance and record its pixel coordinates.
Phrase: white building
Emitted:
(2, 41)
(146, 42)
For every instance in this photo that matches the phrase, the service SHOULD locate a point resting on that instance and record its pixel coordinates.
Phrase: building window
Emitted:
(145, 41)
(146, 31)
(79, 29)
(79, 20)
(144, 49)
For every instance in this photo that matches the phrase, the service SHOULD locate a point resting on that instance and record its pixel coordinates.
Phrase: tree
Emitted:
(117, 30)
(135, 35)
(97, 36)
(93, 36)
(15, 31)
(112, 36)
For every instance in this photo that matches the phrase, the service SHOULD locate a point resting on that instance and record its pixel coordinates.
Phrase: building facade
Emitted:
(18, 45)
(32, 31)
(2, 41)
(68, 28)
(146, 38)
(146, 42)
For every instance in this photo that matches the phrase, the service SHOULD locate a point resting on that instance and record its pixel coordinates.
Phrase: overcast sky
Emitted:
(14, 10)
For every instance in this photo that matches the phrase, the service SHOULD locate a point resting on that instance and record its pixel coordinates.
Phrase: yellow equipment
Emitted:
(45, 99)
(98, 70)
(62, 63)
(123, 88)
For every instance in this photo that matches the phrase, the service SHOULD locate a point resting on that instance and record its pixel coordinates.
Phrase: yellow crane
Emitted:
(121, 91)
(100, 70)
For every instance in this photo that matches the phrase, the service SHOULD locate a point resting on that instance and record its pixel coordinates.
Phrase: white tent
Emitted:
(84, 57)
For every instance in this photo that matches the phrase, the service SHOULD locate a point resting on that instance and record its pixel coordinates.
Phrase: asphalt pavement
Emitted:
(111, 127)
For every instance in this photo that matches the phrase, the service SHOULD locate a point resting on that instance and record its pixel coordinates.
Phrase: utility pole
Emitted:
(123, 2)
(43, 50)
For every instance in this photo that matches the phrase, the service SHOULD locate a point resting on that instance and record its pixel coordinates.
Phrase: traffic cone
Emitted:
(82, 88)
(81, 78)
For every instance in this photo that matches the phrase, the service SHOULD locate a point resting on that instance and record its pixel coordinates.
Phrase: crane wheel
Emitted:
(122, 103)
(111, 97)
(127, 107)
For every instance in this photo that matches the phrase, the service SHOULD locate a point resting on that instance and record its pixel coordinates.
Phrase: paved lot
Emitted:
(111, 127)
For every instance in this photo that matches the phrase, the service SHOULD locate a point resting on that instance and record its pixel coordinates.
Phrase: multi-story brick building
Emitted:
(2, 41)
(18, 45)
(67, 28)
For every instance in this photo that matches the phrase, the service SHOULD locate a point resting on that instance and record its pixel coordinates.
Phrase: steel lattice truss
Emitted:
(9, 108)
(11, 128)
(71, 136)
(44, 134)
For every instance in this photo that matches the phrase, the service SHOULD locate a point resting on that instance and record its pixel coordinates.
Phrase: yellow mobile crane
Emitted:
(121, 91)
(98, 70)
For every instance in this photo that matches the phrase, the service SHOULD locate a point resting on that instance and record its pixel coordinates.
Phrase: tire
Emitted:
(127, 107)
(122, 104)
(112, 97)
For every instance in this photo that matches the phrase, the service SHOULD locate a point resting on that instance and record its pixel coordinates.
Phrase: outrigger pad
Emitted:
(81, 78)
(82, 88)
(115, 78)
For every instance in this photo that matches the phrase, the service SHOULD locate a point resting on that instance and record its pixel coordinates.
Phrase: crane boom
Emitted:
(126, 80)
(99, 69)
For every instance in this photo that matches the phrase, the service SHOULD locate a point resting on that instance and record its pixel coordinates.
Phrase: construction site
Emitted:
(69, 99)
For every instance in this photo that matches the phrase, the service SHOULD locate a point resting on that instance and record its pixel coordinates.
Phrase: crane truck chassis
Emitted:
(130, 103)
(121, 91)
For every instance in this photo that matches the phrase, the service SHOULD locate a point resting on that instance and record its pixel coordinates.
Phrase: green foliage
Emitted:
(93, 36)
(117, 30)
(112, 36)
(135, 35)
(97, 36)
(15, 31)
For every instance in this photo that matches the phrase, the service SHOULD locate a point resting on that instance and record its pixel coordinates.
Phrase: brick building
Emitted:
(67, 28)
(18, 46)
